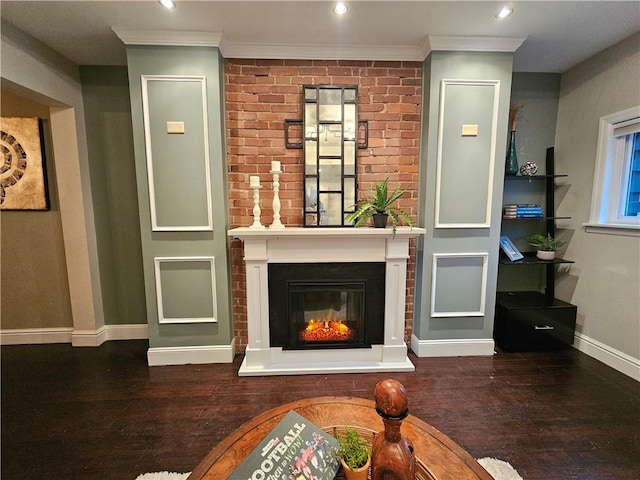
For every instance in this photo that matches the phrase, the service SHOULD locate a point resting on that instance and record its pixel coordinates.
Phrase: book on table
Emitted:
(294, 449)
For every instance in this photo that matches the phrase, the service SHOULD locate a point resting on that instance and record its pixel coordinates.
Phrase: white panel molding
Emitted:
(169, 320)
(78, 338)
(483, 287)
(486, 222)
(157, 356)
(145, 79)
(609, 356)
(453, 347)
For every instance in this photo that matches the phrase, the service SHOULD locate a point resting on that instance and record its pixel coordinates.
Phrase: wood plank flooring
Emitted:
(102, 413)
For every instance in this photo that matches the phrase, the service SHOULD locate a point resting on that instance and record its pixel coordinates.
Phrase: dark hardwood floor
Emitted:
(102, 413)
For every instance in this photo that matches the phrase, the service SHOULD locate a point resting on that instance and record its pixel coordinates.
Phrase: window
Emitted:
(615, 205)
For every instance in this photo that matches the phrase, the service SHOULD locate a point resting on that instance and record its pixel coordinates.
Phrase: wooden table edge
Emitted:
(209, 460)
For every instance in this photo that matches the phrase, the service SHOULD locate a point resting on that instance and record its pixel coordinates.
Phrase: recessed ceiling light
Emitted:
(167, 3)
(504, 13)
(340, 8)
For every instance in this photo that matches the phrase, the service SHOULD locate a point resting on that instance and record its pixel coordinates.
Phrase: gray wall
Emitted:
(605, 281)
(105, 92)
(468, 169)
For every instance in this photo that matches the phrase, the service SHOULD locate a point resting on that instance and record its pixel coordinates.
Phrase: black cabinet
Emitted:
(532, 319)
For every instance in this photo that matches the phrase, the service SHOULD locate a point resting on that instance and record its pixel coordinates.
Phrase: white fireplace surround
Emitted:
(324, 245)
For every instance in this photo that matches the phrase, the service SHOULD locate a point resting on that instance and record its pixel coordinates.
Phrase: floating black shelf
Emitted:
(531, 259)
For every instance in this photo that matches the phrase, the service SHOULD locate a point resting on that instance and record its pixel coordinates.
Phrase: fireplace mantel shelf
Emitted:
(345, 232)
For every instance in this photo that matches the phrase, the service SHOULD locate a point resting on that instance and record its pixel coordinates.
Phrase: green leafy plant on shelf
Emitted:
(545, 243)
(353, 450)
(381, 201)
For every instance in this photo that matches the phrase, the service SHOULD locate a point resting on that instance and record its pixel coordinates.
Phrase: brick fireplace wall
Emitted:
(261, 94)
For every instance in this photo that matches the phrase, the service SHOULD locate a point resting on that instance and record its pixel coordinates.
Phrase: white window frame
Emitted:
(612, 174)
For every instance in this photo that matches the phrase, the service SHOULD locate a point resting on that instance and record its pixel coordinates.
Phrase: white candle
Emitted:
(254, 181)
(275, 166)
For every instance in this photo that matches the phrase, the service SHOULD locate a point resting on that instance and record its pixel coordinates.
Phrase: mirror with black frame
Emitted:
(330, 144)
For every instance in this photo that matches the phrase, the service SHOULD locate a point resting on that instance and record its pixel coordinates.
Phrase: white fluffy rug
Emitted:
(499, 470)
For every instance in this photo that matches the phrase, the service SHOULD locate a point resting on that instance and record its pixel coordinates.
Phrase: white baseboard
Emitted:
(609, 356)
(78, 338)
(33, 336)
(453, 347)
(157, 356)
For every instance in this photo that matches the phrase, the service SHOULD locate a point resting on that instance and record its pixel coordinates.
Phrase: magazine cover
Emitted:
(295, 449)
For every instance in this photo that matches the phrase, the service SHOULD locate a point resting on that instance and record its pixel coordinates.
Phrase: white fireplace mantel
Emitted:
(323, 245)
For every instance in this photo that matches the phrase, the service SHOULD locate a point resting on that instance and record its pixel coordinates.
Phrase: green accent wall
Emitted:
(463, 251)
(105, 93)
(182, 155)
(538, 93)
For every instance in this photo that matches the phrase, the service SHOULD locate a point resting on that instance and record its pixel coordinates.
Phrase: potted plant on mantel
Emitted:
(354, 454)
(381, 205)
(546, 246)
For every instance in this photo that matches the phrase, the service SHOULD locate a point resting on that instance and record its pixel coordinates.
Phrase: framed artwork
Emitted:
(23, 179)
(510, 249)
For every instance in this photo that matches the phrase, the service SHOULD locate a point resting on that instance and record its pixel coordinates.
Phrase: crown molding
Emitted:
(316, 52)
(171, 38)
(471, 44)
(323, 52)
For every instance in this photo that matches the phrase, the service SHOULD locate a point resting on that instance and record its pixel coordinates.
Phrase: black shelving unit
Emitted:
(535, 320)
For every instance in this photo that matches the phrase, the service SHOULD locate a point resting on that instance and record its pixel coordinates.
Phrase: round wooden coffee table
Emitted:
(439, 458)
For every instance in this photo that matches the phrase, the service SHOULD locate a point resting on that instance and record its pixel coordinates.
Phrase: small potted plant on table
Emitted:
(546, 246)
(380, 205)
(354, 454)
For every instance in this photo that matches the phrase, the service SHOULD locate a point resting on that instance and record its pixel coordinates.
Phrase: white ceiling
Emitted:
(557, 34)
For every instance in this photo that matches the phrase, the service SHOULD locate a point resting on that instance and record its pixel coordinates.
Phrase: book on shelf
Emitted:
(294, 448)
(522, 211)
(510, 249)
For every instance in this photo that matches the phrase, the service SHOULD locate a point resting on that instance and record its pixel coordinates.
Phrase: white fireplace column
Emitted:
(324, 245)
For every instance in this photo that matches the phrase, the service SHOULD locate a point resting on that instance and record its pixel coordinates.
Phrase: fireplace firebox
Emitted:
(327, 305)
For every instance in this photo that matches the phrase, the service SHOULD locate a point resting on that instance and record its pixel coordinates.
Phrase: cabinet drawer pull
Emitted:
(545, 327)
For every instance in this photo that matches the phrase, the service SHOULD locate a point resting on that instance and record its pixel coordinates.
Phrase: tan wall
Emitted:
(261, 94)
(35, 291)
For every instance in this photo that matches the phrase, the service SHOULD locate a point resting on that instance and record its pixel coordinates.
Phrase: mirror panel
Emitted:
(310, 157)
(330, 173)
(330, 140)
(350, 129)
(349, 194)
(349, 158)
(330, 209)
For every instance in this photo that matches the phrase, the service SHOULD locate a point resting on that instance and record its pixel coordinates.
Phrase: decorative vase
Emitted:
(546, 255)
(361, 473)
(511, 167)
(392, 455)
(380, 220)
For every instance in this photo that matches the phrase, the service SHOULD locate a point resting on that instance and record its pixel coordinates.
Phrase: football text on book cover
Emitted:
(295, 449)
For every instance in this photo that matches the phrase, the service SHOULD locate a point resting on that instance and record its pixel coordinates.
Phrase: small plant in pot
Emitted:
(546, 246)
(381, 205)
(354, 453)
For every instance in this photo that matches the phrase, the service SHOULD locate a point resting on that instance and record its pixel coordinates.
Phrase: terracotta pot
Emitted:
(361, 473)
(545, 255)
